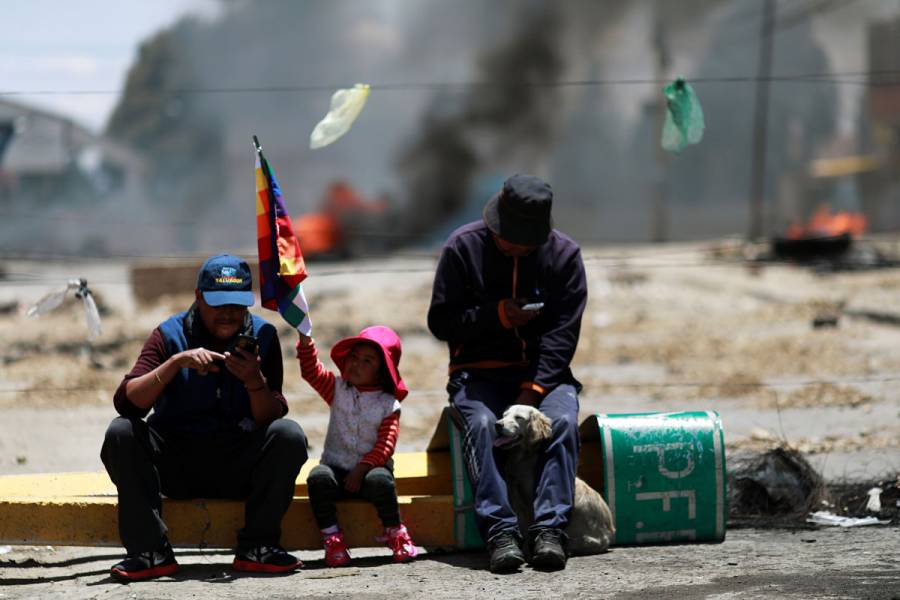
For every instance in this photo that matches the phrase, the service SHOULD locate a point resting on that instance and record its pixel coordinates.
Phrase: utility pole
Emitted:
(660, 212)
(761, 121)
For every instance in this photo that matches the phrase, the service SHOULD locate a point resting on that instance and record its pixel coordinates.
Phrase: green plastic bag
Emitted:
(684, 117)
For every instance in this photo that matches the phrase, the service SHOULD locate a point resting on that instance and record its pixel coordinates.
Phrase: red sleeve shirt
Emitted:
(314, 372)
(388, 432)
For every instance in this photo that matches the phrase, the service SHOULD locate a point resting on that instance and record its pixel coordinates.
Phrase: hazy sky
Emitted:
(78, 45)
(88, 45)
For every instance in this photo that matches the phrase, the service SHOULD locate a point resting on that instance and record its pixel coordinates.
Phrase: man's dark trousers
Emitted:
(259, 467)
(481, 396)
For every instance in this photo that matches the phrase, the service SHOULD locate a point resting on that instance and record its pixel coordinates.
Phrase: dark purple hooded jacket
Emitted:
(471, 280)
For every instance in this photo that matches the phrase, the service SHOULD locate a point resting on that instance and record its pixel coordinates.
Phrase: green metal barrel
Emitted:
(664, 476)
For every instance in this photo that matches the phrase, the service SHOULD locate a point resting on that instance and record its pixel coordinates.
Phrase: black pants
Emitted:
(260, 467)
(326, 487)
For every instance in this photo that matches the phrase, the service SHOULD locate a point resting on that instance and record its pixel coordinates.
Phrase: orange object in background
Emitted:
(342, 212)
(319, 233)
(824, 223)
(341, 199)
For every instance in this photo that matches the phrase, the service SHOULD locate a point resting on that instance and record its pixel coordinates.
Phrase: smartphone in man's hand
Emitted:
(533, 306)
(247, 343)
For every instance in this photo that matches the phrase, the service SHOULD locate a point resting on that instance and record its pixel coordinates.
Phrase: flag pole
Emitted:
(273, 226)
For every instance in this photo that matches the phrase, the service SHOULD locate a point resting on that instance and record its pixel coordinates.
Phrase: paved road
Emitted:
(826, 563)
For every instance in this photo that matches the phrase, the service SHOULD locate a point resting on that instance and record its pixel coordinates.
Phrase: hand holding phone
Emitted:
(533, 306)
(247, 343)
(514, 314)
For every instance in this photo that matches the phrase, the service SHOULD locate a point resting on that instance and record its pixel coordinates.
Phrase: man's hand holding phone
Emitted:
(243, 362)
(516, 312)
(247, 343)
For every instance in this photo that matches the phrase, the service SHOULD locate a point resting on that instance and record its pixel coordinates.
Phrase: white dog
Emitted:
(521, 432)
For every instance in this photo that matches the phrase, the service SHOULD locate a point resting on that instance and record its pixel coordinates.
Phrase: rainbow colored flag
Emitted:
(281, 266)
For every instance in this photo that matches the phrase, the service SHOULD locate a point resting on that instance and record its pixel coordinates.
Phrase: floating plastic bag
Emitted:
(54, 299)
(684, 117)
(345, 107)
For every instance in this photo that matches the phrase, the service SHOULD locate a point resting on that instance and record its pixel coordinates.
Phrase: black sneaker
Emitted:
(547, 550)
(265, 559)
(146, 565)
(506, 556)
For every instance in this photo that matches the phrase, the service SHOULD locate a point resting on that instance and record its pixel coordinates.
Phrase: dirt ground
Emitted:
(667, 328)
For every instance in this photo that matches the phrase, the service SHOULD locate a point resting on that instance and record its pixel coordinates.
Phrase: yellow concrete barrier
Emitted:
(80, 509)
(93, 521)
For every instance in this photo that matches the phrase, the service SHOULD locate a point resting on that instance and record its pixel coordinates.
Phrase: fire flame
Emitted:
(826, 223)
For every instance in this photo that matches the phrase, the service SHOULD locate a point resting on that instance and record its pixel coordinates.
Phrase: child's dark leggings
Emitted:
(326, 487)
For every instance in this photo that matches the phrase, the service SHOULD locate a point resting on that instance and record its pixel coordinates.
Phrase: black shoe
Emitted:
(506, 556)
(265, 559)
(146, 565)
(547, 551)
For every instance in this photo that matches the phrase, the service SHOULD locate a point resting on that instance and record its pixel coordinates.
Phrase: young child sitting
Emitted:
(362, 432)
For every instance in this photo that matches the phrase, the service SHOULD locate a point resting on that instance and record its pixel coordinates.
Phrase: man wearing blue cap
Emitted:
(508, 296)
(215, 431)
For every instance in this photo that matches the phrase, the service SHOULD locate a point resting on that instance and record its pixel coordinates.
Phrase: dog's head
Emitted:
(522, 424)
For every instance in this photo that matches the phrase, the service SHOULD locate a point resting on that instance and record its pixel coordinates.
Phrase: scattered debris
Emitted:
(779, 482)
(824, 517)
(882, 318)
(826, 254)
(779, 488)
(852, 499)
(874, 503)
(825, 320)
(812, 248)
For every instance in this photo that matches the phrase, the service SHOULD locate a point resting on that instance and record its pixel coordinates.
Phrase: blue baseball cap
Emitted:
(226, 279)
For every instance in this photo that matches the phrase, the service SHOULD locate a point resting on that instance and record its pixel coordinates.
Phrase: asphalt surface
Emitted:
(828, 562)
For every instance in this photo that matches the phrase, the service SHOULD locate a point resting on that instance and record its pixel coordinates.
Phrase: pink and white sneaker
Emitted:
(336, 553)
(399, 541)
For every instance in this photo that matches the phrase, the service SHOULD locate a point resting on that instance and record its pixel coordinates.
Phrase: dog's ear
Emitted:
(539, 428)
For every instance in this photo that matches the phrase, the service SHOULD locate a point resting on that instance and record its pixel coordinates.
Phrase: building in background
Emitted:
(52, 168)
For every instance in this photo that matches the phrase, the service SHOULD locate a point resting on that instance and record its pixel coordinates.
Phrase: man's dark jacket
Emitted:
(473, 277)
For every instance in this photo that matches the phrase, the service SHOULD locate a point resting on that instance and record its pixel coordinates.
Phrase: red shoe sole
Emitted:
(249, 566)
(146, 573)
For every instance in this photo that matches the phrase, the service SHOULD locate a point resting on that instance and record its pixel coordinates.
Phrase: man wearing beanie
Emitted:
(508, 296)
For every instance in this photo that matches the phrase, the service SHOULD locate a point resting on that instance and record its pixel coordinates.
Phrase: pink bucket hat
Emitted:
(389, 343)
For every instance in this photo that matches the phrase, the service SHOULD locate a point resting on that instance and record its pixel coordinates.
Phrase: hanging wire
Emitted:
(826, 77)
